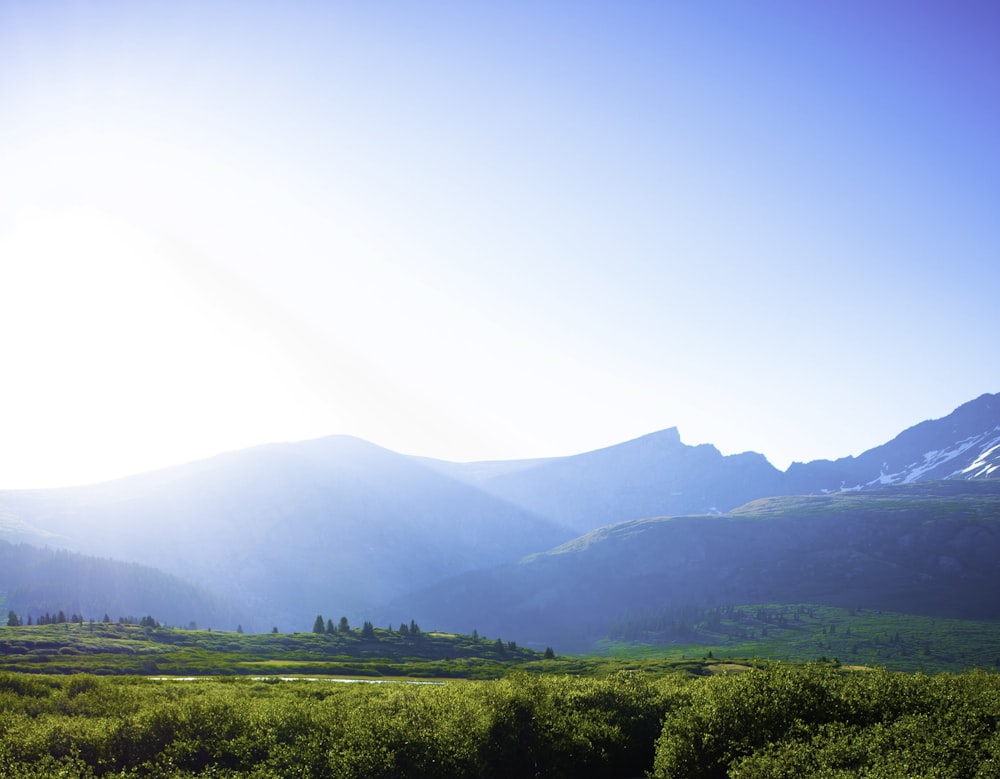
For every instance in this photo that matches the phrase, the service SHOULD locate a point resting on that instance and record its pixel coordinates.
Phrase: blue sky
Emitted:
(483, 231)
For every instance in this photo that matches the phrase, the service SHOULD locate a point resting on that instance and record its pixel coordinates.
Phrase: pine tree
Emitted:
(318, 625)
(12, 619)
(329, 626)
(345, 626)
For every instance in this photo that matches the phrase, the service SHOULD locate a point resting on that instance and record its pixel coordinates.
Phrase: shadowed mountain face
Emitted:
(923, 549)
(341, 526)
(46, 581)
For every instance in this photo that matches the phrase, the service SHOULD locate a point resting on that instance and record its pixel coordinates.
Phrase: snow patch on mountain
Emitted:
(988, 444)
(984, 465)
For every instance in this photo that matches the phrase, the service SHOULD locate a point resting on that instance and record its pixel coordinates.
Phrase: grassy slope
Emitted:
(130, 649)
(804, 632)
(954, 499)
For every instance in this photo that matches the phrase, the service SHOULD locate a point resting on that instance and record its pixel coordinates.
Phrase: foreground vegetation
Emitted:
(134, 699)
(780, 721)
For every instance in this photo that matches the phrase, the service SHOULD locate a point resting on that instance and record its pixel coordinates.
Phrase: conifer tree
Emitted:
(318, 625)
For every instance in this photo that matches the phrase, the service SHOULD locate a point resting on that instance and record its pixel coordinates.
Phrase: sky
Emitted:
(482, 231)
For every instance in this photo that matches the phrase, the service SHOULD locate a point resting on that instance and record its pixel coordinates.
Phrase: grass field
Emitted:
(805, 632)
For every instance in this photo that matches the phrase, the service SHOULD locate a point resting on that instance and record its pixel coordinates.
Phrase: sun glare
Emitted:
(130, 365)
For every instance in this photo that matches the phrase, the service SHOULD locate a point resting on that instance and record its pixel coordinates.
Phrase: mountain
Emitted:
(963, 445)
(341, 526)
(36, 581)
(654, 475)
(657, 475)
(929, 548)
(336, 525)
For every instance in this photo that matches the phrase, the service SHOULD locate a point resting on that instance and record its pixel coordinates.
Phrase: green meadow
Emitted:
(807, 632)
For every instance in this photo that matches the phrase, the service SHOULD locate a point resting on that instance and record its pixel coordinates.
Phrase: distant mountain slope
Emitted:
(927, 549)
(963, 445)
(650, 476)
(36, 581)
(657, 475)
(336, 525)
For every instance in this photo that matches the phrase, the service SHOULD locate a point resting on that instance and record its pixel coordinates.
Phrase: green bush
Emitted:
(793, 723)
(779, 722)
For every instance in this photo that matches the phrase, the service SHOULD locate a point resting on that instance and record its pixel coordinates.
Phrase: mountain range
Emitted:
(545, 550)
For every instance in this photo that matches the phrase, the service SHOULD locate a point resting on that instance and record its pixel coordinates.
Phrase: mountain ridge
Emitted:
(339, 524)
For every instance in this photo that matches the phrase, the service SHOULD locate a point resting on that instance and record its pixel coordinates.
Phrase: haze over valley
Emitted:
(554, 551)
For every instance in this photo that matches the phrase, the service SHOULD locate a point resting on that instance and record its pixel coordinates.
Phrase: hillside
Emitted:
(36, 581)
(926, 549)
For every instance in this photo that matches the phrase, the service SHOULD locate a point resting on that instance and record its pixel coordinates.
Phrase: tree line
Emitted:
(343, 627)
(14, 620)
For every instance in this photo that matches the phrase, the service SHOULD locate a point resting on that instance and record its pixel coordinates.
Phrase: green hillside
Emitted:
(926, 549)
(809, 632)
